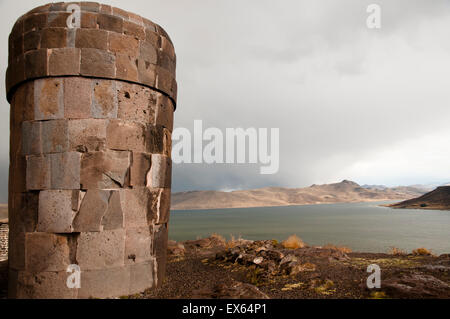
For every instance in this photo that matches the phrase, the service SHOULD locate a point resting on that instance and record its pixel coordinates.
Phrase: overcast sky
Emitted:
(351, 102)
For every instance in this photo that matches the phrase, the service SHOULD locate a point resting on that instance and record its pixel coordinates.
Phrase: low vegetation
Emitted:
(422, 252)
(293, 242)
(397, 251)
(342, 249)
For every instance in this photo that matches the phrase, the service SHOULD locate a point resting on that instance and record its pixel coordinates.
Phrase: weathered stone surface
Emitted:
(104, 100)
(105, 170)
(160, 239)
(126, 68)
(31, 41)
(36, 64)
(147, 73)
(77, 98)
(133, 29)
(101, 250)
(148, 52)
(44, 285)
(55, 137)
(97, 63)
(123, 135)
(141, 163)
(138, 245)
(35, 22)
(56, 211)
(48, 99)
(136, 103)
(87, 135)
(88, 20)
(160, 175)
(114, 217)
(142, 276)
(38, 173)
(93, 207)
(53, 38)
(137, 207)
(31, 136)
(161, 205)
(64, 61)
(124, 44)
(105, 283)
(164, 112)
(65, 170)
(23, 216)
(110, 23)
(46, 252)
(92, 38)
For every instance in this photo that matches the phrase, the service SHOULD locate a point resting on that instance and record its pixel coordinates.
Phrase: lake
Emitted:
(364, 227)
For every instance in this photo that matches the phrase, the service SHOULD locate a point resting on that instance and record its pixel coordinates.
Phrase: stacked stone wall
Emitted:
(90, 174)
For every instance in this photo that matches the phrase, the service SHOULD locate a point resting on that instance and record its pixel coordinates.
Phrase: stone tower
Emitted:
(92, 91)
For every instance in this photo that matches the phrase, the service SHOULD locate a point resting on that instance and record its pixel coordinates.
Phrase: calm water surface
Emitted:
(362, 226)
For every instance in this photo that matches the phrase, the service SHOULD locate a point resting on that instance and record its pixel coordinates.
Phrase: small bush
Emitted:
(397, 251)
(422, 252)
(293, 242)
(342, 249)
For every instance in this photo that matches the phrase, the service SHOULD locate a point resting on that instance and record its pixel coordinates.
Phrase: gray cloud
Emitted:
(344, 97)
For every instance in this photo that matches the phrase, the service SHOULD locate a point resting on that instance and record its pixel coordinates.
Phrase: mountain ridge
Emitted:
(343, 192)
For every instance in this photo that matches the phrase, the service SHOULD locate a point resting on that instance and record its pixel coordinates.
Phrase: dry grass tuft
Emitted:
(397, 251)
(422, 252)
(293, 242)
(342, 249)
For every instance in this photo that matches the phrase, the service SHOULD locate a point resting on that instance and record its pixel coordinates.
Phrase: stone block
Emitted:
(121, 13)
(167, 47)
(35, 22)
(142, 276)
(38, 173)
(22, 106)
(57, 20)
(23, 212)
(136, 103)
(88, 20)
(164, 112)
(104, 100)
(77, 98)
(148, 52)
(101, 250)
(110, 23)
(97, 63)
(105, 283)
(106, 9)
(65, 170)
(48, 99)
(123, 44)
(55, 138)
(146, 73)
(165, 81)
(15, 73)
(45, 285)
(161, 205)
(124, 135)
(136, 205)
(160, 237)
(141, 163)
(126, 68)
(17, 173)
(16, 251)
(138, 245)
(64, 61)
(159, 140)
(56, 211)
(152, 37)
(87, 135)
(36, 64)
(46, 252)
(90, 6)
(166, 62)
(93, 207)
(92, 38)
(105, 170)
(133, 29)
(160, 175)
(31, 138)
(114, 217)
(53, 38)
(31, 41)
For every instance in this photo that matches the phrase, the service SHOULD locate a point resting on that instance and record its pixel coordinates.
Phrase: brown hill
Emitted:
(344, 192)
(437, 199)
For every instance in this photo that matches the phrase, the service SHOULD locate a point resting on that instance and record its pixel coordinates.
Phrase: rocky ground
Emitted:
(213, 268)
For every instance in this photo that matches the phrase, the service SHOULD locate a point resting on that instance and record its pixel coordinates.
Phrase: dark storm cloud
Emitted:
(350, 102)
